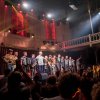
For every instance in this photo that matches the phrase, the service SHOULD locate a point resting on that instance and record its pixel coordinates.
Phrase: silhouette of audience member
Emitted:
(16, 89)
(35, 91)
(3, 81)
(96, 91)
(50, 89)
(68, 85)
(86, 87)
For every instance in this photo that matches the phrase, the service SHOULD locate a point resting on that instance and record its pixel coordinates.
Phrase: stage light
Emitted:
(67, 19)
(25, 5)
(18, 4)
(49, 15)
(32, 36)
(6, 6)
(20, 11)
(9, 30)
(73, 7)
(99, 13)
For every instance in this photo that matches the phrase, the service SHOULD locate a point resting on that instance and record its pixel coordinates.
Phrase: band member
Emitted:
(66, 63)
(8, 58)
(70, 64)
(59, 62)
(33, 65)
(54, 68)
(24, 61)
(15, 57)
(50, 63)
(47, 69)
(73, 65)
(40, 62)
(78, 64)
(62, 64)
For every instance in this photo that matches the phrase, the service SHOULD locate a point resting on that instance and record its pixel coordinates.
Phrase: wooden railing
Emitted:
(88, 40)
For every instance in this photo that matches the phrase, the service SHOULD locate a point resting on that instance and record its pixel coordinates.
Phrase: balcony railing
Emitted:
(11, 40)
(88, 40)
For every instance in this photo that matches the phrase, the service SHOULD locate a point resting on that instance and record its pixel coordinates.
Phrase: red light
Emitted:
(20, 11)
(6, 6)
(26, 14)
(46, 29)
(18, 4)
(53, 30)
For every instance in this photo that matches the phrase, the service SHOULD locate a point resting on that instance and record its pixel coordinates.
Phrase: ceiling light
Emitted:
(73, 7)
(49, 15)
(67, 19)
(25, 5)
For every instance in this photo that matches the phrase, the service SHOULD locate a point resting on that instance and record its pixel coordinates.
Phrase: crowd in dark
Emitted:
(17, 85)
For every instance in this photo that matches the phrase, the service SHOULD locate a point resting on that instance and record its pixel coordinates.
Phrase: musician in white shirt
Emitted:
(40, 62)
(70, 63)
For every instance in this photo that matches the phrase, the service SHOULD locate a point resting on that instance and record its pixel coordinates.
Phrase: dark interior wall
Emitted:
(90, 55)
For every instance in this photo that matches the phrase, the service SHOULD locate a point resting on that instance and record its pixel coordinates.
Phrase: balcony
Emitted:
(88, 40)
(16, 41)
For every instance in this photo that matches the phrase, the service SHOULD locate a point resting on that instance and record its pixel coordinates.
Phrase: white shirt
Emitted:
(66, 61)
(70, 62)
(40, 60)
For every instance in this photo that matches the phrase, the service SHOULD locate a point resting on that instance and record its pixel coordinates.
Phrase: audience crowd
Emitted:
(17, 85)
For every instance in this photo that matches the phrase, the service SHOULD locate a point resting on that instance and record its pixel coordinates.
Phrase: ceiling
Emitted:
(61, 10)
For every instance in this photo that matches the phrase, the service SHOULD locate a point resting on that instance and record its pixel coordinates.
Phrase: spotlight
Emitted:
(18, 4)
(32, 36)
(49, 15)
(9, 30)
(25, 5)
(99, 13)
(73, 7)
(6, 6)
(67, 19)
(20, 11)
